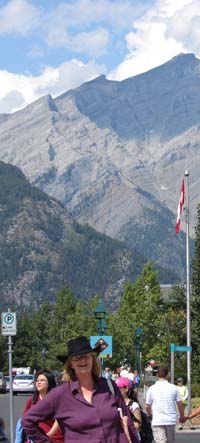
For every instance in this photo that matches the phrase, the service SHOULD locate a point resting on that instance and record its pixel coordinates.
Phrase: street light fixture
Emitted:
(100, 314)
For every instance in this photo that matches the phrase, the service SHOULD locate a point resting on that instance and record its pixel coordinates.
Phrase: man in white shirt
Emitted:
(161, 402)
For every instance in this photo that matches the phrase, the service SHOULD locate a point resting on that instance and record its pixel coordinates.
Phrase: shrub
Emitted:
(195, 390)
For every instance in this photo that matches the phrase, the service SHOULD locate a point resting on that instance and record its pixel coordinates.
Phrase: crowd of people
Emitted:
(101, 408)
(125, 372)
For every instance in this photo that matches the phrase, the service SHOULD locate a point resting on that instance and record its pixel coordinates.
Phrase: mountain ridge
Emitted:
(43, 250)
(94, 147)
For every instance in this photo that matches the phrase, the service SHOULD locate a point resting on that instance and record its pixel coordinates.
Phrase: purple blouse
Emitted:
(80, 421)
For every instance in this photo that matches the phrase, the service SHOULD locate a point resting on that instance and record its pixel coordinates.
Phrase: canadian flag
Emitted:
(180, 207)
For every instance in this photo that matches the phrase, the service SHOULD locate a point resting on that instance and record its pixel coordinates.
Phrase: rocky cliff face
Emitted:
(114, 153)
(43, 250)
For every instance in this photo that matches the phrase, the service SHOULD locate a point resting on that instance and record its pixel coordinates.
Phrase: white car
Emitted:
(23, 384)
(7, 378)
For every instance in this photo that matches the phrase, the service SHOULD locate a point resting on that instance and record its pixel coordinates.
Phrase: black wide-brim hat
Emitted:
(78, 346)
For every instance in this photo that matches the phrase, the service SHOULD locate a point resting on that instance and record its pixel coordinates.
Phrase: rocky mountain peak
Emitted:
(114, 153)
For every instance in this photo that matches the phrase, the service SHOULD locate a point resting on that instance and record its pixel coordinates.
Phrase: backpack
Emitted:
(146, 433)
(20, 435)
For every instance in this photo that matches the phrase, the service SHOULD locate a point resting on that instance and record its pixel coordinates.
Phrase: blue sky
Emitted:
(50, 46)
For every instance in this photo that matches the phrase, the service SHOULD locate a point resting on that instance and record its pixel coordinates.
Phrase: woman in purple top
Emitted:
(85, 407)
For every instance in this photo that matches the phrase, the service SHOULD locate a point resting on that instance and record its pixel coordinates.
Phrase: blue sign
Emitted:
(175, 348)
(106, 344)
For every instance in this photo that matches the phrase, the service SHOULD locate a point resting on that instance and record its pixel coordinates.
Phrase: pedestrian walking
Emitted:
(136, 379)
(183, 391)
(123, 384)
(84, 405)
(161, 401)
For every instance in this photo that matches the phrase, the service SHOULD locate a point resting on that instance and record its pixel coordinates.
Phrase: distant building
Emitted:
(166, 289)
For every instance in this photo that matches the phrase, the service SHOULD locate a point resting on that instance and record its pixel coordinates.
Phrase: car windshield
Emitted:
(24, 377)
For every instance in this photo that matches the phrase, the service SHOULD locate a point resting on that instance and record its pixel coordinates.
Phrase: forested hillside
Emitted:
(43, 250)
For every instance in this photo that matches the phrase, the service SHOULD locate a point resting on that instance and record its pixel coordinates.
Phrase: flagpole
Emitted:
(186, 174)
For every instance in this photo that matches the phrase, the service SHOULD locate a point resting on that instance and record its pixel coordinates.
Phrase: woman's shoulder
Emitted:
(108, 385)
(133, 405)
(60, 388)
(56, 392)
(28, 404)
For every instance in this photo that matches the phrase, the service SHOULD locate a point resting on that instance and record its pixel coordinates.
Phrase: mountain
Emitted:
(43, 250)
(114, 154)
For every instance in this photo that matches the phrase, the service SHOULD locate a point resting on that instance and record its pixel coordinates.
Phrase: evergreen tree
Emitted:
(139, 307)
(171, 324)
(3, 353)
(23, 341)
(195, 301)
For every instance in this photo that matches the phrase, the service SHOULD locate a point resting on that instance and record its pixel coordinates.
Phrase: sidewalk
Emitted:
(185, 430)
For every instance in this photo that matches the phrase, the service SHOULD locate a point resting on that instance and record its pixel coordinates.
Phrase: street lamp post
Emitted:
(100, 314)
(138, 334)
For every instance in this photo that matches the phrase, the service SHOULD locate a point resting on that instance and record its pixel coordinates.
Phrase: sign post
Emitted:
(174, 348)
(106, 346)
(9, 328)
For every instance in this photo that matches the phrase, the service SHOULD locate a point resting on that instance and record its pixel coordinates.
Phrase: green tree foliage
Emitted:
(3, 353)
(43, 334)
(33, 338)
(171, 327)
(195, 301)
(139, 307)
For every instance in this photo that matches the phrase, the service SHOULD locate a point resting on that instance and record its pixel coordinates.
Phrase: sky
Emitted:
(51, 46)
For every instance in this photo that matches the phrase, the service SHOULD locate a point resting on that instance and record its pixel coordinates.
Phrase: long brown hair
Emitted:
(70, 375)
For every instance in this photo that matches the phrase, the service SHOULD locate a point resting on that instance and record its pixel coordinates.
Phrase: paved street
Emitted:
(18, 405)
(188, 437)
(185, 436)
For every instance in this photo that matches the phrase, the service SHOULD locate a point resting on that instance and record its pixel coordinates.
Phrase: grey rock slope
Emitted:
(43, 250)
(114, 153)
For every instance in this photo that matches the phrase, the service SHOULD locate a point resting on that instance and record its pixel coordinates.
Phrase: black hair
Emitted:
(132, 394)
(51, 382)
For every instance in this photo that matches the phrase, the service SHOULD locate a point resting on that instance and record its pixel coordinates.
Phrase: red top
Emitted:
(45, 425)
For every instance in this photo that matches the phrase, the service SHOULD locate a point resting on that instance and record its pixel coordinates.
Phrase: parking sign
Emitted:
(8, 323)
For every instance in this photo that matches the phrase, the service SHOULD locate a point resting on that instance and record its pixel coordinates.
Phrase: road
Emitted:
(190, 437)
(18, 405)
(19, 402)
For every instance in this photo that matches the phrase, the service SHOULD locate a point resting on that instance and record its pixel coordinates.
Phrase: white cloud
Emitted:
(158, 36)
(118, 14)
(185, 26)
(13, 99)
(20, 90)
(18, 16)
(84, 26)
(88, 26)
(93, 43)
